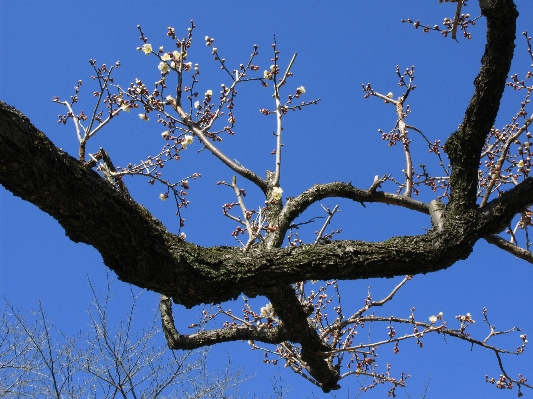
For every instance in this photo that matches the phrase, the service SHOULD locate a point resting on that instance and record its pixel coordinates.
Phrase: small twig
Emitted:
(456, 19)
(328, 220)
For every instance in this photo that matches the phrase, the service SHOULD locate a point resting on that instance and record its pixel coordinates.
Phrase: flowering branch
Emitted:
(449, 25)
(103, 75)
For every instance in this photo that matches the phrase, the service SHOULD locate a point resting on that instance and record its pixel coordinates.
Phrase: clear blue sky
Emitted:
(45, 48)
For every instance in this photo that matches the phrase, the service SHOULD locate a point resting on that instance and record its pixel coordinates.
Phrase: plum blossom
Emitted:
(163, 197)
(301, 90)
(165, 57)
(163, 67)
(268, 311)
(209, 93)
(433, 319)
(276, 193)
(188, 139)
(197, 105)
(143, 117)
(146, 48)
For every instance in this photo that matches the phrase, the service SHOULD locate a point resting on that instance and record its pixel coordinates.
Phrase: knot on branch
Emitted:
(436, 209)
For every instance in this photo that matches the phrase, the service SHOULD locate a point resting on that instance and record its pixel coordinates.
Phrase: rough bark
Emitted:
(141, 251)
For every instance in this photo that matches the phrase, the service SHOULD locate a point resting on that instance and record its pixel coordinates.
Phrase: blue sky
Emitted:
(339, 45)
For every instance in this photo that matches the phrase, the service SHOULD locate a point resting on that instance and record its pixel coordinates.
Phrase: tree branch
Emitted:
(290, 311)
(270, 335)
(241, 170)
(464, 146)
(297, 205)
(509, 247)
(32, 168)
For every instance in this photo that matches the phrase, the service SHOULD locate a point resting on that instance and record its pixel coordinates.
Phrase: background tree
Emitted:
(37, 360)
(248, 274)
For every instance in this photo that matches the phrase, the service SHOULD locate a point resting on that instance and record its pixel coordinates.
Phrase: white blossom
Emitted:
(267, 311)
(301, 89)
(209, 93)
(124, 107)
(165, 134)
(163, 67)
(163, 197)
(143, 117)
(146, 48)
(165, 57)
(390, 95)
(432, 319)
(188, 139)
(197, 105)
(183, 236)
(276, 193)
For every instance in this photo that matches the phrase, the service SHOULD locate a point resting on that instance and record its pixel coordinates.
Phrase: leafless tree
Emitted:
(37, 360)
(470, 204)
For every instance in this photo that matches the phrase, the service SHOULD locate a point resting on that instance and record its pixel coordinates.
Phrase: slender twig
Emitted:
(328, 220)
(503, 157)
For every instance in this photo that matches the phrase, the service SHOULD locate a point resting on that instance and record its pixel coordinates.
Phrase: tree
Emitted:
(38, 360)
(154, 258)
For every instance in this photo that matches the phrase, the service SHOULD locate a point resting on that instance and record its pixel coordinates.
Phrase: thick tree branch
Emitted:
(291, 312)
(464, 146)
(141, 251)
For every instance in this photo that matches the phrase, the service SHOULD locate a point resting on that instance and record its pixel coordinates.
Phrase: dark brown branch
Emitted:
(175, 340)
(296, 322)
(94, 212)
(464, 146)
(297, 205)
